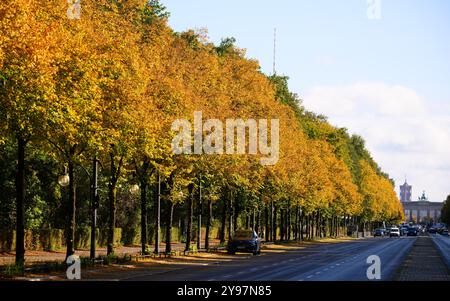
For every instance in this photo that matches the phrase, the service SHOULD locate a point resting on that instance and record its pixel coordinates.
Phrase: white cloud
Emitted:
(406, 134)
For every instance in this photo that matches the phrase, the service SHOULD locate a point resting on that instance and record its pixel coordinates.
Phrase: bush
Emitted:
(13, 270)
(114, 259)
(7, 240)
(82, 238)
(193, 249)
(148, 250)
(102, 237)
(131, 236)
(51, 239)
(54, 239)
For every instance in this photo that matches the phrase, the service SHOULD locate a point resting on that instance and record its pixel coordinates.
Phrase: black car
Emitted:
(378, 232)
(412, 231)
(245, 241)
(432, 230)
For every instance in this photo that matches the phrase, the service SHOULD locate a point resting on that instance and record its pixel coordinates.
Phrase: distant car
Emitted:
(378, 232)
(432, 230)
(246, 241)
(403, 231)
(412, 231)
(387, 231)
(394, 232)
(445, 232)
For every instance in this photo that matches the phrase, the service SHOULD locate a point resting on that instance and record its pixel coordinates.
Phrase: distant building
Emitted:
(422, 211)
(405, 192)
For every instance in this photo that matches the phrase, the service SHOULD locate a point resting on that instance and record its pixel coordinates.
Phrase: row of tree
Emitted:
(107, 88)
(445, 214)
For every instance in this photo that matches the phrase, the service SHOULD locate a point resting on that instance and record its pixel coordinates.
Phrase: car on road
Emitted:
(445, 232)
(246, 241)
(394, 232)
(432, 230)
(412, 231)
(441, 229)
(378, 232)
(403, 231)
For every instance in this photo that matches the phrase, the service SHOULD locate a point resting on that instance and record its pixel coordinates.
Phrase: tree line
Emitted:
(104, 90)
(445, 214)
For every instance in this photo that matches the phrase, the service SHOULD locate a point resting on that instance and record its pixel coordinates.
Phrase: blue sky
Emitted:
(386, 79)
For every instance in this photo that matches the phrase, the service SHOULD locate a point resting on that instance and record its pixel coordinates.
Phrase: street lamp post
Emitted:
(64, 181)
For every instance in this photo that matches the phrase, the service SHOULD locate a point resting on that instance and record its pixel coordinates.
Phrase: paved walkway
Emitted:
(423, 263)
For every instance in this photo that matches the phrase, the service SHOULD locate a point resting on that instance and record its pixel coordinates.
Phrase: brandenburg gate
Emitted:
(420, 211)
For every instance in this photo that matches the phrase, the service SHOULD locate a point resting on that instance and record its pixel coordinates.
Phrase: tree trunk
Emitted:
(144, 185)
(112, 194)
(248, 224)
(296, 224)
(282, 220)
(169, 222)
(199, 216)
(208, 223)
(94, 207)
(143, 175)
(267, 222)
(158, 214)
(271, 221)
(71, 212)
(288, 223)
(302, 216)
(224, 220)
(190, 204)
(253, 220)
(20, 200)
(258, 222)
(274, 227)
(231, 215)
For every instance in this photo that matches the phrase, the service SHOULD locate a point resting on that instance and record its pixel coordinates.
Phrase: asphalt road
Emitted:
(333, 262)
(443, 245)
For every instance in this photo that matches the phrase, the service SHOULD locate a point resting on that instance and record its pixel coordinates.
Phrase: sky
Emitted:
(379, 68)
